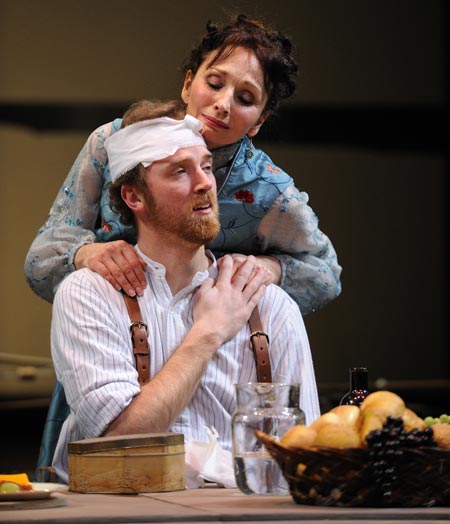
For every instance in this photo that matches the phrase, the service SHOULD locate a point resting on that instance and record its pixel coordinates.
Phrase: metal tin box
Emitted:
(151, 462)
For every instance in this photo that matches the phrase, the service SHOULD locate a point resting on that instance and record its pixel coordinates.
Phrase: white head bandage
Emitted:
(150, 140)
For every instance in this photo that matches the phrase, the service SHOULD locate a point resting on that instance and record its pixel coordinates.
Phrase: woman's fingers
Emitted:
(117, 262)
(270, 264)
(126, 268)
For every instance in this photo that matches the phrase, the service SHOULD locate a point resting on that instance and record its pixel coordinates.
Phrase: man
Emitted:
(197, 313)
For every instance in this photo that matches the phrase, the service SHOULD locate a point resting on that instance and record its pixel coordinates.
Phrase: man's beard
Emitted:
(196, 229)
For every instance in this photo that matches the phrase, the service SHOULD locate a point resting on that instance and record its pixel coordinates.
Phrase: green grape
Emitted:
(443, 419)
(9, 487)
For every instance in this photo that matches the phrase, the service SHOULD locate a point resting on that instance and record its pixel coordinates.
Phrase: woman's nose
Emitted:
(223, 102)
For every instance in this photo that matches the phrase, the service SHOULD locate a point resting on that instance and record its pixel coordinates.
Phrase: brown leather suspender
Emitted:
(259, 342)
(141, 349)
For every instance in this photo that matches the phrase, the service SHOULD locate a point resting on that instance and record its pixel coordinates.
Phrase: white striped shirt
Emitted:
(93, 358)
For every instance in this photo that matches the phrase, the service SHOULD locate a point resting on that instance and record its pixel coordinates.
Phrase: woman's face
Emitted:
(228, 98)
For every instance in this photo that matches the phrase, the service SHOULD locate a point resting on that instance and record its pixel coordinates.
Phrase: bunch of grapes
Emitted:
(386, 449)
(443, 419)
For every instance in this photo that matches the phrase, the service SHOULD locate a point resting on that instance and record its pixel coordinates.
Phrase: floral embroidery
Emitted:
(273, 170)
(106, 226)
(245, 195)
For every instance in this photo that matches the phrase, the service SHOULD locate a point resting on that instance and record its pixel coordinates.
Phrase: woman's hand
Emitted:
(270, 263)
(117, 262)
(223, 307)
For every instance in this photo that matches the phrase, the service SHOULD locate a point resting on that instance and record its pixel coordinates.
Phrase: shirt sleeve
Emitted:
(310, 269)
(92, 352)
(72, 219)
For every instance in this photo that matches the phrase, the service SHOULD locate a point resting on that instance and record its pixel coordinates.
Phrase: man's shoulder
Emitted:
(276, 298)
(85, 280)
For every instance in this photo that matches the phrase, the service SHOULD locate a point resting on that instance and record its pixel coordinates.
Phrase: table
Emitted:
(210, 505)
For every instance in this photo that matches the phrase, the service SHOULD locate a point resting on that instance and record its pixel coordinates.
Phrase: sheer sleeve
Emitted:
(310, 269)
(72, 219)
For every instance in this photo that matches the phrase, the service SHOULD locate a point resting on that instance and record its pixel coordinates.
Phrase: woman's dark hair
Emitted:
(141, 110)
(272, 48)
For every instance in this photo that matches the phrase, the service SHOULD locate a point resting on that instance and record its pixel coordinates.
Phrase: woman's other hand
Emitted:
(270, 263)
(117, 262)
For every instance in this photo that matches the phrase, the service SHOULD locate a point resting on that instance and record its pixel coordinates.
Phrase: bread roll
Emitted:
(371, 420)
(298, 437)
(337, 436)
(326, 418)
(385, 402)
(441, 434)
(348, 415)
(412, 421)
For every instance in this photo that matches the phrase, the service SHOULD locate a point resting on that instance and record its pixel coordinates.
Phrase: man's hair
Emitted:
(273, 49)
(137, 112)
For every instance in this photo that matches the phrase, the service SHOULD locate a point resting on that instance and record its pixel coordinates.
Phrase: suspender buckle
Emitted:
(259, 334)
(139, 324)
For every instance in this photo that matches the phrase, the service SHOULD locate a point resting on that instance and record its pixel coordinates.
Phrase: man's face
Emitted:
(181, 197)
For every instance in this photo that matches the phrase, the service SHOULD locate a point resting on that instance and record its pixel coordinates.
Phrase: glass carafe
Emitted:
(272, 408)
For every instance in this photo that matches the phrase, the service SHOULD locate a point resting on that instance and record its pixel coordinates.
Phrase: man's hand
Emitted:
(117, 262)
(270, 263)
(224, 307)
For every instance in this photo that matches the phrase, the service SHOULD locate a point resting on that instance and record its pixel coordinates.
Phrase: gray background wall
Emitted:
(382, 203)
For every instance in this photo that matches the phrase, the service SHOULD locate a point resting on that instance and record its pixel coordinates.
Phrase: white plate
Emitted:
(51, 486)
(41, 490)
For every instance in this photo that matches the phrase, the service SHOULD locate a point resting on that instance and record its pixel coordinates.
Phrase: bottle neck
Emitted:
(359, 378)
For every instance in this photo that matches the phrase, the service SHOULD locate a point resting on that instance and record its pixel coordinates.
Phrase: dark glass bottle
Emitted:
(359, 381)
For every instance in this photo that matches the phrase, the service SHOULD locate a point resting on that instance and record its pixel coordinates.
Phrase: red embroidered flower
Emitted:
(272, 169)
(245, 195)
(106, 226)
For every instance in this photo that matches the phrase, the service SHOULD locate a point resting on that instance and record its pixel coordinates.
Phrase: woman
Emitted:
(234, 78)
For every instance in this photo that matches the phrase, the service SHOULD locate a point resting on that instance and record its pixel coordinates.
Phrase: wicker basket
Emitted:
(344, 477)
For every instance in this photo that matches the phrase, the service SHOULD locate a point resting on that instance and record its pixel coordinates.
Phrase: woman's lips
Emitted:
(213, 122)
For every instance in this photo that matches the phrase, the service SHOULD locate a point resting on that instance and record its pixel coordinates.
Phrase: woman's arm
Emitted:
(289, 232)
(70, 223)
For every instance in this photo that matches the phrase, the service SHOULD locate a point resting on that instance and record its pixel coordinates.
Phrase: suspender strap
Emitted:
(259, 341)
(138, 330)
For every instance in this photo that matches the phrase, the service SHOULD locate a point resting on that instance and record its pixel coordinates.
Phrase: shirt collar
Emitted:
(159, 269)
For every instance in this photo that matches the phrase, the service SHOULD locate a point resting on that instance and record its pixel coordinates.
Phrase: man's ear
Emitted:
(253, 131)
(186, 91)
(132, 198)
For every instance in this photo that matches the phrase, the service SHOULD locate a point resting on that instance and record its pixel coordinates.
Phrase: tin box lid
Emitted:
(125, 441)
